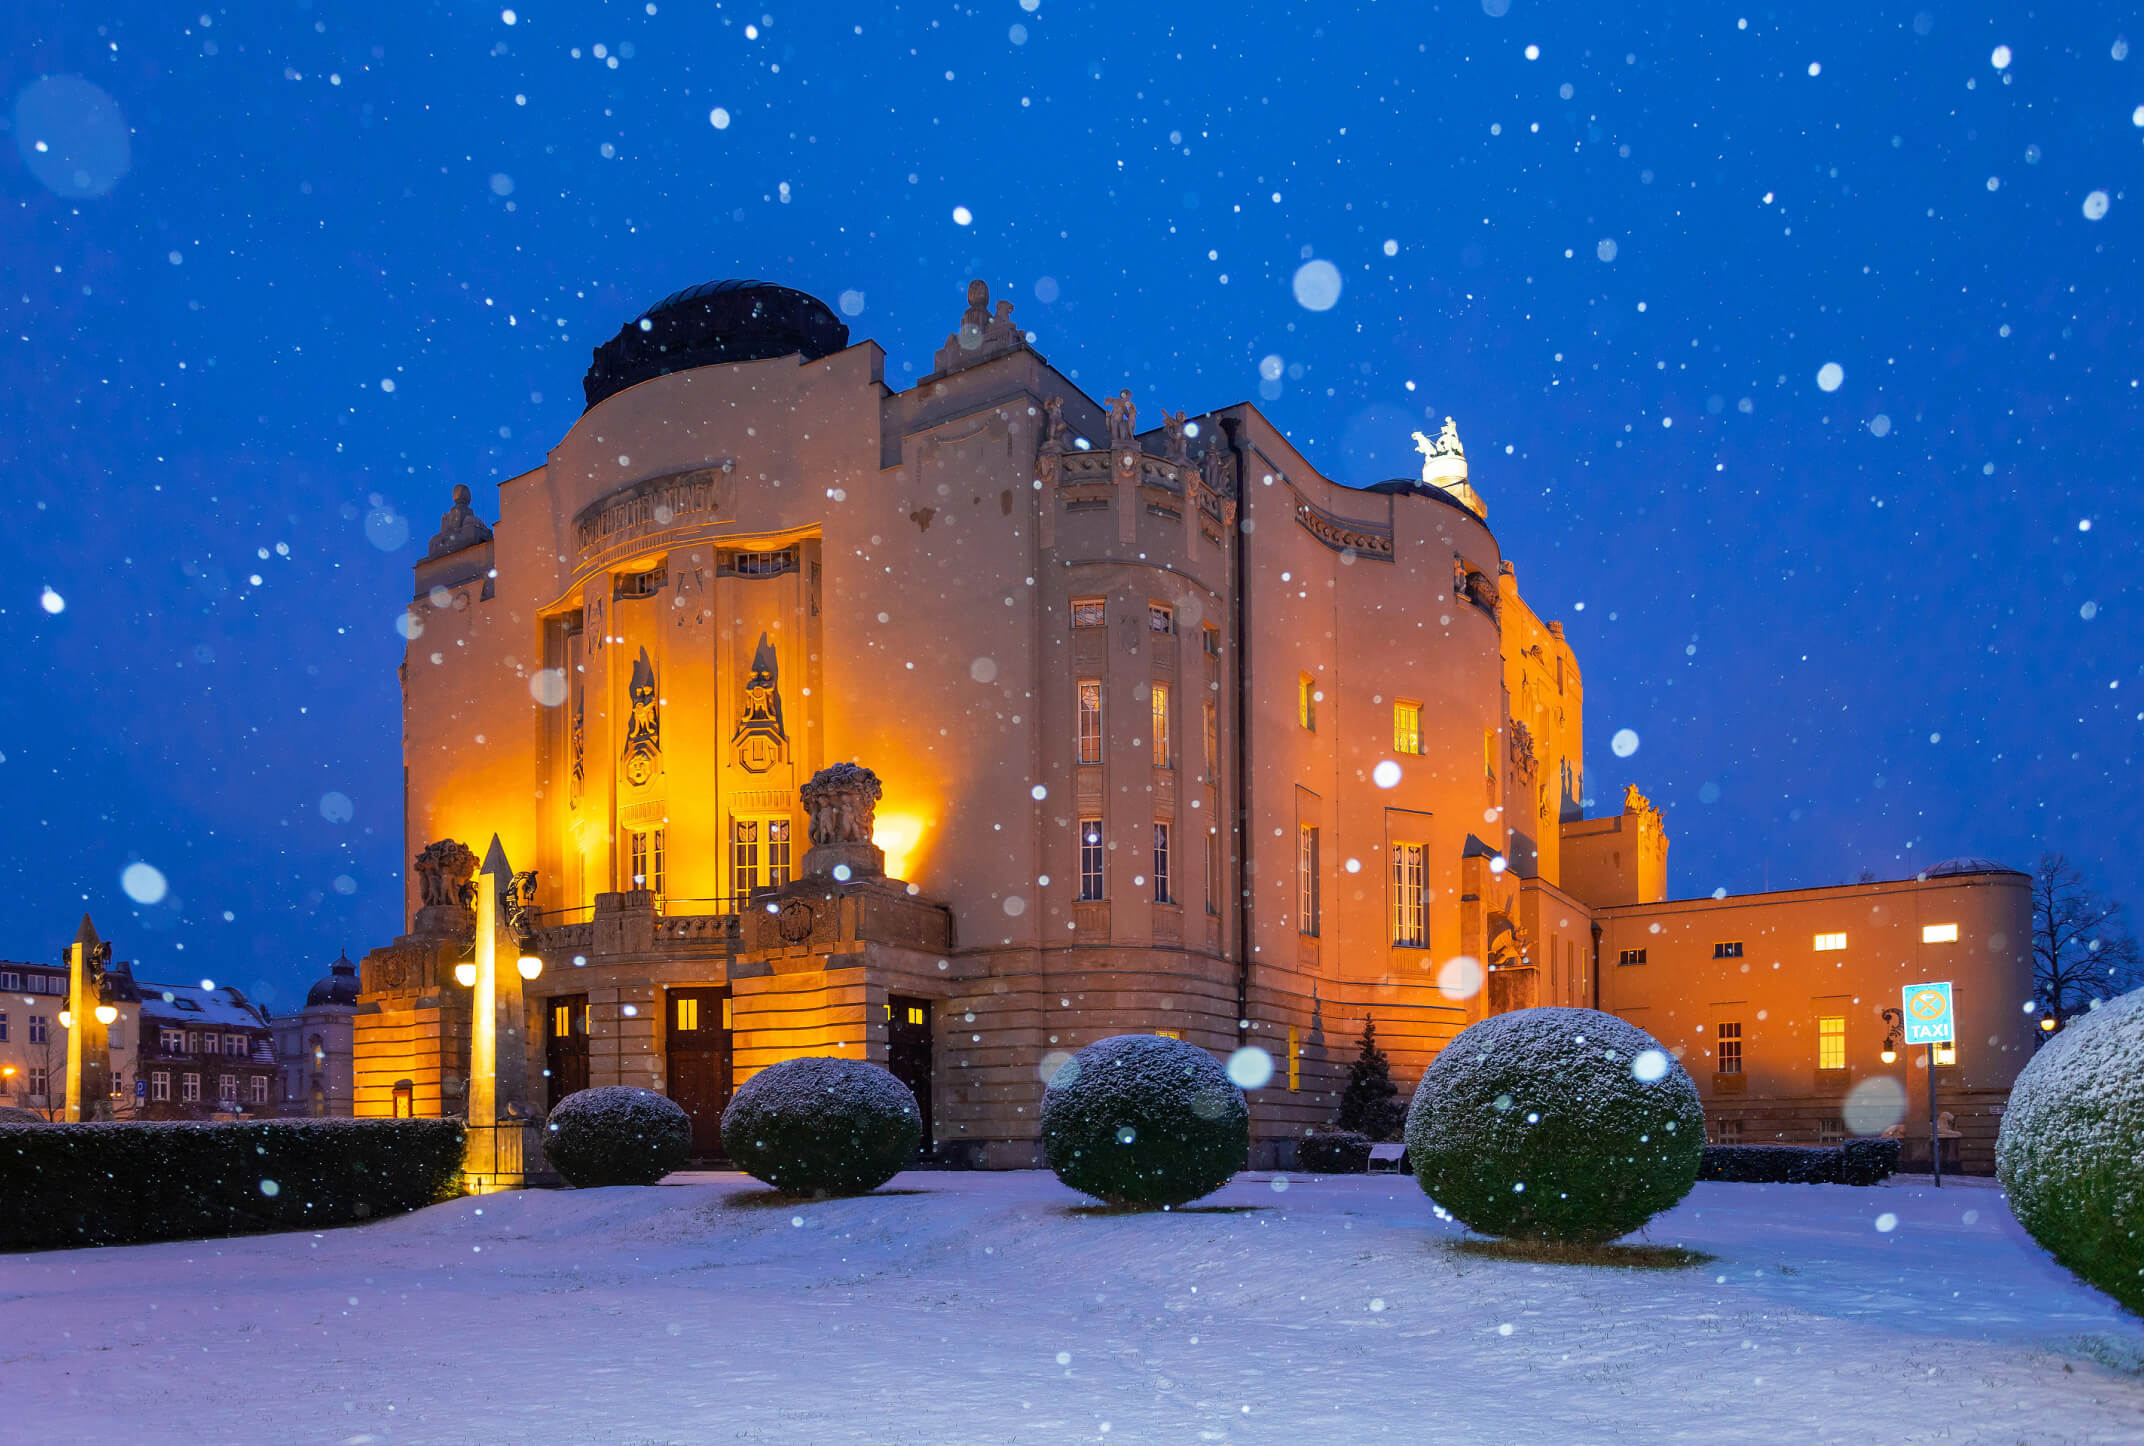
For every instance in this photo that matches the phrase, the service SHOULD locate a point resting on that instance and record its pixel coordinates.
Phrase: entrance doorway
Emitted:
(565, 1046)
(699, 1063)
(908, 1052)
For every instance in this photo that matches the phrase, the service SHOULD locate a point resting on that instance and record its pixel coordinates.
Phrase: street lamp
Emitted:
(66, 1019)
(2047, 1022)
(1894, 1032)
(465, 974)
(106, 1014)
(529, 965)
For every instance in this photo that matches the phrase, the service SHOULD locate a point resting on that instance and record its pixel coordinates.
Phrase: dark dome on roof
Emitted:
(340, 987)
(707, 325)
(1950, 867)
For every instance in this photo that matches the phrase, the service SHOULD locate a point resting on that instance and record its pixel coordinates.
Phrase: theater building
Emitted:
(1164, 730)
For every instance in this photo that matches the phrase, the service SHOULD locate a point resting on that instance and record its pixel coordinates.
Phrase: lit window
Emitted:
(1161, 863)
(1168, 1034)
(1090, 720)
(1947, 1053)
(1159, 619)
(1306, 701)
(1826, 943)
(641, 584)
(1939, 933)
(1406, 727)
(1161, 724)
(1488, 754)
(1410, 917)
(1091, 858)
(1306, 852)
(1087, 612)
(1732, 949)
(688, 1014)
(1631, 956)
(744, 856)
(1213, 738)
(1295, 1059)
(777, 852)
(1831, 1042)
(1729, 1059)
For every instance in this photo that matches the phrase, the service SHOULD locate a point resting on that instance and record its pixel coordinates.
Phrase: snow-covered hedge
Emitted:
(2069, 1156)
(1853, 1162)
(823, 1126)
(123, 1183)
(1555, 1124)
(1333, 1152)
(1141, 1119)
(617, 1135)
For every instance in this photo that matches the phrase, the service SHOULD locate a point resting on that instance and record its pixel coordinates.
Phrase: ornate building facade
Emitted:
(1160, 729)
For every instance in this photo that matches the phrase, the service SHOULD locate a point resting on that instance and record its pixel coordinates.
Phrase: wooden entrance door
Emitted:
(908, 1051)
(699, 1063)
(565, 1046)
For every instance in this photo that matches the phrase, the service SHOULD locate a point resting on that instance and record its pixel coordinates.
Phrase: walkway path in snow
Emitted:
(998, 1308)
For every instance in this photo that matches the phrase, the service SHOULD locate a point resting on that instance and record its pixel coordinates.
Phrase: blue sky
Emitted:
(1869, 626)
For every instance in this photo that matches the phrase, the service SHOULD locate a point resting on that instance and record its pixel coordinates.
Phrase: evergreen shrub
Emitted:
(1855, 1162)
(2068, 1154)
(132, 1181)
(823, 1126)
(1333, 1152)
(617, 1135)
(1141, 1119)
(1555, 1124)
(1369, 1105)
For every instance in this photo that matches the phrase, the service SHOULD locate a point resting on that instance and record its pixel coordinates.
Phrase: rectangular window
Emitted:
(1730, 1132)
(1729, 1059)
(1830, 1131)
(1090, 720)
(1087, 612)
(1213, 878)
(1406, 727)
(1168, 1034)
(1939, 933)
(1159, 619)
(1161, 724)
(1210, 639)
(636, 868)
(1161, 864)
(3, 1026)
(1306, 701)
(777, 851)
(190, 1088)
(1947, 1053)
(688, 1014)
(160, 1086)
(1410, 919)
(1731, 949)
(37, 1029)
(1831, 1042)
(1295, 1059)
(173, 1041)
(40, 1080)
(1830, 943)
(641, 584)
(10, 980)
(227, 1089)
(1631, 956)
(258, 1093)
(235, 1044)
(1091, 866)
(744, 856)
(1306, 864)
(193, 1041)
(1211, 727)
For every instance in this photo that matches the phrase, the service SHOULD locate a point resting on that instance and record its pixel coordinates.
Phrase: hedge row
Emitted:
(1333, 1152)
(1856, 1162)
(124, 1183)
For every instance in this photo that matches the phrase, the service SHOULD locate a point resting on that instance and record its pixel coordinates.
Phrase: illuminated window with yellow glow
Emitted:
(645, 863)
(1090, 720)
(1306, 849)
(1488, 754)
(1947, 1054)
(688, 1013)
(1306, 701)
(1169, 1033)
(1087, 612)
(1161, 724)
(759, 855)
(1828, 943)
(1728, 1037)
(1831, 1042)
(1939, 933)
(1213, 739)
(1410, 919)
(1407, 727)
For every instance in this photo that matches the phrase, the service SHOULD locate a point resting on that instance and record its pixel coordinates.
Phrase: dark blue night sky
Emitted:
(289, 271)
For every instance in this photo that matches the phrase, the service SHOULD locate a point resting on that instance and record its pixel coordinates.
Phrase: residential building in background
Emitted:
(312, 1046)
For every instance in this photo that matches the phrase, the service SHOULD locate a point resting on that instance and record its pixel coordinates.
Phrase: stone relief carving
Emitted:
(443, 873)
(760, 741)
(521, 903)
(795, 920)
(1523, 762)
(842, 803)
(643, 726)
(459, 527)
(1123, 421)
(577, 738)
(1341, 534)
(657, 502)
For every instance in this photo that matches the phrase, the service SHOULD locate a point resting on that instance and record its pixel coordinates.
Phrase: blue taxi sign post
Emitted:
(1929, 1021)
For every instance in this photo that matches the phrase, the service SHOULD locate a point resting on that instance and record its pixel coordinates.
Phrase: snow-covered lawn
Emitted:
(997, 1307)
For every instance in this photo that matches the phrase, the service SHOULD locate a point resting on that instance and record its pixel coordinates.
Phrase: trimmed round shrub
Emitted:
(823, 1126)
(1333, 1152)
(9, 1115)
(1555, 1124)
(1141, 1119)
(617, 1135)
(2068, 1155)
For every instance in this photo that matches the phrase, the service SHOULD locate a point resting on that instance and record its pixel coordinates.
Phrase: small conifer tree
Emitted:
(1370, 1104)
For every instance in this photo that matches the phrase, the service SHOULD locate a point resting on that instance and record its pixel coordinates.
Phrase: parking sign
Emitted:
(1928, 1016)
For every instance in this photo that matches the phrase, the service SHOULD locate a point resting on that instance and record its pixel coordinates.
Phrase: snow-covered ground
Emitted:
(999, 1308)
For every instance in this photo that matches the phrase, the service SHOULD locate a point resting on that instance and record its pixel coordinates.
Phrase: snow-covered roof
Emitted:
(191, 1005)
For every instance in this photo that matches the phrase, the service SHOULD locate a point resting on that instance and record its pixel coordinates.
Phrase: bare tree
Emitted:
(2082, 949)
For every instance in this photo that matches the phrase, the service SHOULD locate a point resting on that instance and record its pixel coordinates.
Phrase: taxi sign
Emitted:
(1928, 1016)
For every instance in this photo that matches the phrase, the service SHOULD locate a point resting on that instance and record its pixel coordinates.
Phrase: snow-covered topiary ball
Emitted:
(2068, 1153)
(1555, 1124)
(617, 1135)
(1141, 1119)
(823, 1126)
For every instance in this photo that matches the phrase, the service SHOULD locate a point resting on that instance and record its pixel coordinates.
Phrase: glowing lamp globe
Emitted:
(1890, 1056)
(529, 965)
(465, 974)
(106, 1014)
(66, 1019)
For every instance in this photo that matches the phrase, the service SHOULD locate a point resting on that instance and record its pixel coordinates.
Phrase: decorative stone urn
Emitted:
(843, 803)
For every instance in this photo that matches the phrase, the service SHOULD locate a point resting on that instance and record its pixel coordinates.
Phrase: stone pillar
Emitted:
(89, 1055)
